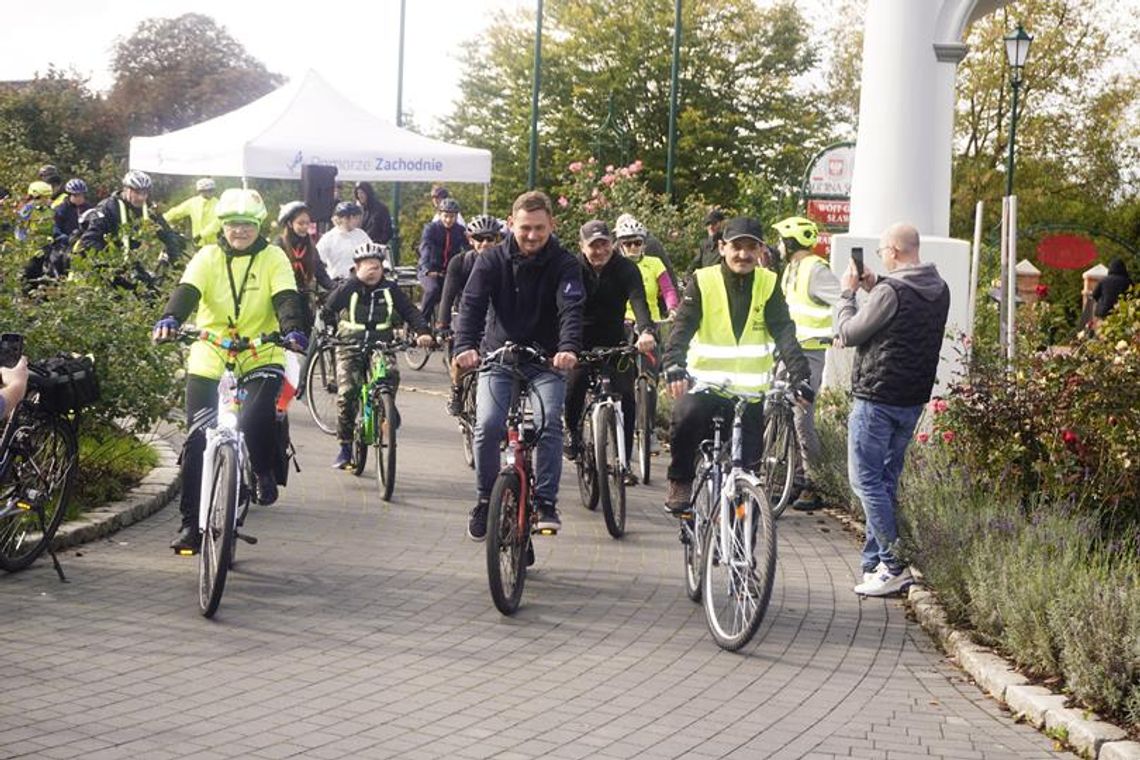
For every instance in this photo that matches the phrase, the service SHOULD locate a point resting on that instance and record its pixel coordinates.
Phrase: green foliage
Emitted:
(110, 462)
(174, 72)
(742, 108)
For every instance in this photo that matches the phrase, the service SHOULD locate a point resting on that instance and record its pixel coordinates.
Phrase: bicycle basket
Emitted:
(64, 383)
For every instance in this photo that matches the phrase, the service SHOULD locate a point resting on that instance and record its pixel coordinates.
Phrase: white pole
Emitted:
(1011, 314)
(1003, 290)
(975, 262)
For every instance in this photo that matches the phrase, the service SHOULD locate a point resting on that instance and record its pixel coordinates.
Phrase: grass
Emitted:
(111, 462)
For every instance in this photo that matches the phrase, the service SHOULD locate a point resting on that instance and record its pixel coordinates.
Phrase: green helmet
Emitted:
(797, 228)
(240, 205)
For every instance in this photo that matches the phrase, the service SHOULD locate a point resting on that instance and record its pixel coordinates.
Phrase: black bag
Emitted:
(64, 383)
(285, 452)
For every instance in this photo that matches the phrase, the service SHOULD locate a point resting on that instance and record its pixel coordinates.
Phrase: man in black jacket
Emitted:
(897, 335)
(709, 253)
(611, 282)
(534, 288)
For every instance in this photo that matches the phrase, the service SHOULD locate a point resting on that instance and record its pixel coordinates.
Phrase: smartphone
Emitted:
(857, 257)
(11, 349)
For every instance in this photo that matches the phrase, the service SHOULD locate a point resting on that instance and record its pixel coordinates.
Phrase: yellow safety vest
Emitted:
(204, 225)
(715, 355)
(348, 326)
(651, 268)
(125, 225)
(812, 318)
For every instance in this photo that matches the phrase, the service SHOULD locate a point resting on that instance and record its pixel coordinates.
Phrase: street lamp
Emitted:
(1016, 52)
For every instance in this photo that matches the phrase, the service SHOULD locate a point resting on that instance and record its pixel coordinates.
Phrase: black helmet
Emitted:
(347, 208)
(49, 173)
(449, 206)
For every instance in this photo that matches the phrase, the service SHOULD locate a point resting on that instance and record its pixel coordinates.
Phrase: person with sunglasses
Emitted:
(483, 233)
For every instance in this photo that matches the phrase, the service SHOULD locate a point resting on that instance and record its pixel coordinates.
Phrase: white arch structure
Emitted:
(911, 51)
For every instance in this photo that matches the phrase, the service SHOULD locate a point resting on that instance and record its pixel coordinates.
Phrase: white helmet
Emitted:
(205, 184)
(628, 227)
(136, 180)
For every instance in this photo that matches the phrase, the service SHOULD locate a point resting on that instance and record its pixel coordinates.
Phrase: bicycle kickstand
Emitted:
(58, 567)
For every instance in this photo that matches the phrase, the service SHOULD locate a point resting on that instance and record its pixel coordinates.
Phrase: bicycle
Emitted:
(729, 532)
(512, 512)
(39, 457)
(777, 469)
(226, 493)
(320, 386)
(603, 462)
(645, 399)
(376, 413)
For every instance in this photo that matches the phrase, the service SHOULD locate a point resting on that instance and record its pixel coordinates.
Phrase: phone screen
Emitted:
(857, 257)
(11, 349)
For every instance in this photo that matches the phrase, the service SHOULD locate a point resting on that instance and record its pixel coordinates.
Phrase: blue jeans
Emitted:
(492, 396)
(877, 437)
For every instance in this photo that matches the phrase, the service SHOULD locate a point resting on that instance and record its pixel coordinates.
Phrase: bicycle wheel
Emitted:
(587, 470)
(611, 476)
(693, 530)
(36, 489)
(738, 578)
(360, 439)
(506, 543)
(218, 536)
(467, 425)
(416, 357)
(777, 463)
(643, 427)
(386, 445)
(321, 389)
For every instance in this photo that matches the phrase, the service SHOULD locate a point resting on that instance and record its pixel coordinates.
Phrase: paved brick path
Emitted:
(362, 630)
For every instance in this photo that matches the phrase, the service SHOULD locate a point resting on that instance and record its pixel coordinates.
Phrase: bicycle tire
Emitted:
(587, 470)
(416, 357)
(778, 464)
(321, 389)
(611, 476)
(693, 536)
(386, 446)
(45, 455)
(736, 593)
(643, 428)
(360, 442)
(506, 544)
(467, 425)
(218, 537)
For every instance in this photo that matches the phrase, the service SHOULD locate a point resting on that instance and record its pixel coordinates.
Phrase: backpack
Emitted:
(64, 383)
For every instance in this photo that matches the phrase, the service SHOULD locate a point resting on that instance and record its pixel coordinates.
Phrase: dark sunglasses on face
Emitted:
(485, 238)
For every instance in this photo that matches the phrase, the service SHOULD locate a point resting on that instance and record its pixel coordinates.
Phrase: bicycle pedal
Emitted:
(545, 531)
(186, 552)
(251, 540)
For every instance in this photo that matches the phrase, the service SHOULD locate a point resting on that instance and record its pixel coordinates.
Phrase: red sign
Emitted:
(1066, 251)
(830, 213)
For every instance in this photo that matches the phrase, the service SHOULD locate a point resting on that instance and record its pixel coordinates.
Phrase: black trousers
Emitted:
(257, 419)
(621, 381)
(692, 423)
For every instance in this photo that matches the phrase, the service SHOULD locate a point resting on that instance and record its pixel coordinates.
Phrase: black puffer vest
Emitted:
(899, 364)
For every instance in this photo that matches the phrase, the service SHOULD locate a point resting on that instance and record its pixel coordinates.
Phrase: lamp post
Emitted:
(532, 170)
(399, 123)
(1016, 52)
(671, 154)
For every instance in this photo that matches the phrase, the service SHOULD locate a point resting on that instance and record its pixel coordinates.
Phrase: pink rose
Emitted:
(923, 437)
(636, 166)
(948, 436)
(624, 171)
(608, 179)
(575, 166)
(939, 405)
(563, 201)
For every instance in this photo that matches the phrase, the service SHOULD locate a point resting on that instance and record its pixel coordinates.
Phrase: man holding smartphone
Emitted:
(897, 336)
(13, 373)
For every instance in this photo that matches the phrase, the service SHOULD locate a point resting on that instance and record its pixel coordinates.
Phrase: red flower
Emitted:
(1042, 290)
(1069, 437)
(923, 437)
(948, 436)
(939, 405)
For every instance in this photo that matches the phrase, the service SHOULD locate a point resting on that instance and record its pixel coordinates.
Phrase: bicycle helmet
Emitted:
(628, 227)
(449, 206)
(75, 185)
(290, 210)
(49, 173)
(484, 224)
(803, 232)
(136, 180)
(205, 184)
(347, 208)
(371, 251)
(39, 189)
(240, 205)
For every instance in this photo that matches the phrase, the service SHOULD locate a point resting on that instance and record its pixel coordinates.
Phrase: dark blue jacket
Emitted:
(532, 300)
(435, 240)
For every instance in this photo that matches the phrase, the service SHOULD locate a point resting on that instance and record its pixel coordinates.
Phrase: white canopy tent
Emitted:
(307, 122)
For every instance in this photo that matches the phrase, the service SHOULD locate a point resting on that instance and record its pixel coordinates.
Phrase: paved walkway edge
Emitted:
(157, 489)
(1081, 730)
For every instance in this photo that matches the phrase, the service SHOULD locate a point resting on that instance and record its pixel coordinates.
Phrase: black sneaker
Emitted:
(529, 554)
(477, 522)
(188, 540)
(266, 488)
(548, 520)
(572, 447)
(455, 402)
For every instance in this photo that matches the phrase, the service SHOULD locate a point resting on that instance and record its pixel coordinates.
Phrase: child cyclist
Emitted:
(365, 304)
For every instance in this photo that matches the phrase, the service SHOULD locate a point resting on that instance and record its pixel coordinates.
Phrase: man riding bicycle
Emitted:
(242, 286)
(611, 282)
(534, 287)
(732, 322)
(368, 301)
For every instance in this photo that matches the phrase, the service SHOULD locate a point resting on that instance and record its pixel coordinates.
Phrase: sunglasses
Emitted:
(485, 238)
(633, 243)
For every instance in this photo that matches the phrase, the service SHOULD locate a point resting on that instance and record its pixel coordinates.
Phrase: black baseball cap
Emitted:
(714, 216)
(595, 229)
(742, 226)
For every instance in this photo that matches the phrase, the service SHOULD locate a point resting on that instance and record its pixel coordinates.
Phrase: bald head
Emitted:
(899, 245)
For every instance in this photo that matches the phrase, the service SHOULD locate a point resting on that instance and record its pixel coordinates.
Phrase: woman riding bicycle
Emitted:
(240, 285)
(368, 301)
(294, 220)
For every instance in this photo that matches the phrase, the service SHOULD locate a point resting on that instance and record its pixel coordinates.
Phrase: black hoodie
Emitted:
(1111, 288)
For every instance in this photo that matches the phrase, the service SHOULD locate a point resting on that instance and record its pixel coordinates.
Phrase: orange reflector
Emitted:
(740, 511)
(547, 532)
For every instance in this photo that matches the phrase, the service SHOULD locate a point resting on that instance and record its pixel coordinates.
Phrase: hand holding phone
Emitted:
(857, 257)
(11, 349)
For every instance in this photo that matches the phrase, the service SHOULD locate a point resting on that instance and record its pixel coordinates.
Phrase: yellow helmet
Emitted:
(39, 189)
(241, 205)
(797, 228)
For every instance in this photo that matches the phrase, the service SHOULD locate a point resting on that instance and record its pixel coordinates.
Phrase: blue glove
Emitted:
(297, 341)
(166, 323)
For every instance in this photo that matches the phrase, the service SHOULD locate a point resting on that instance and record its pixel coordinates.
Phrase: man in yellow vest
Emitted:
(199, 209)
(811, 291)
(731, 326)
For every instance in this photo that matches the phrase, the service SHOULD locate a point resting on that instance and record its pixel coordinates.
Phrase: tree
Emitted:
(172, 73)
(606, 75)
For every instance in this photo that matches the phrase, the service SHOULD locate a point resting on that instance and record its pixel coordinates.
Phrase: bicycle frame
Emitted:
(517, 454)
(607, 398)
(224, 432)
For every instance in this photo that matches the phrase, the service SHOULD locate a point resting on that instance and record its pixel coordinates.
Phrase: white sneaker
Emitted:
(884, 583)
(868, 576)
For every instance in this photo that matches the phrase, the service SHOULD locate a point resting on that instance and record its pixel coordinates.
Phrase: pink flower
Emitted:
(608, 179)
(591, 160)
(590, 206)
(636, 166)
(923, 437)
(938, 406)
(948, 436)
(624, 171)
(575, 166)
(563, 201)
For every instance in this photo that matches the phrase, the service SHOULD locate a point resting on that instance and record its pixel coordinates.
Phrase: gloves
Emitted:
(295, 340)
(804, 391)
(165, 328)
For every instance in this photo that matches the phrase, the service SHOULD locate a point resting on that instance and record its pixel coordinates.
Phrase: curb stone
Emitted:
(1083, 731)
(153, 492)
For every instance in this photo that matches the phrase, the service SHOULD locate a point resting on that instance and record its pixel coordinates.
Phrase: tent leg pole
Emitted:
(395, 223)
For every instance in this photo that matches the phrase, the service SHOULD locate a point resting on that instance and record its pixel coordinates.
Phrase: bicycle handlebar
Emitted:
(522, 354)
(727, 388)
(601, 354)
(188, 334)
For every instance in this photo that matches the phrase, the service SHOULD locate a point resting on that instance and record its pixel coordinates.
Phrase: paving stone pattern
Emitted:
(357, 629)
